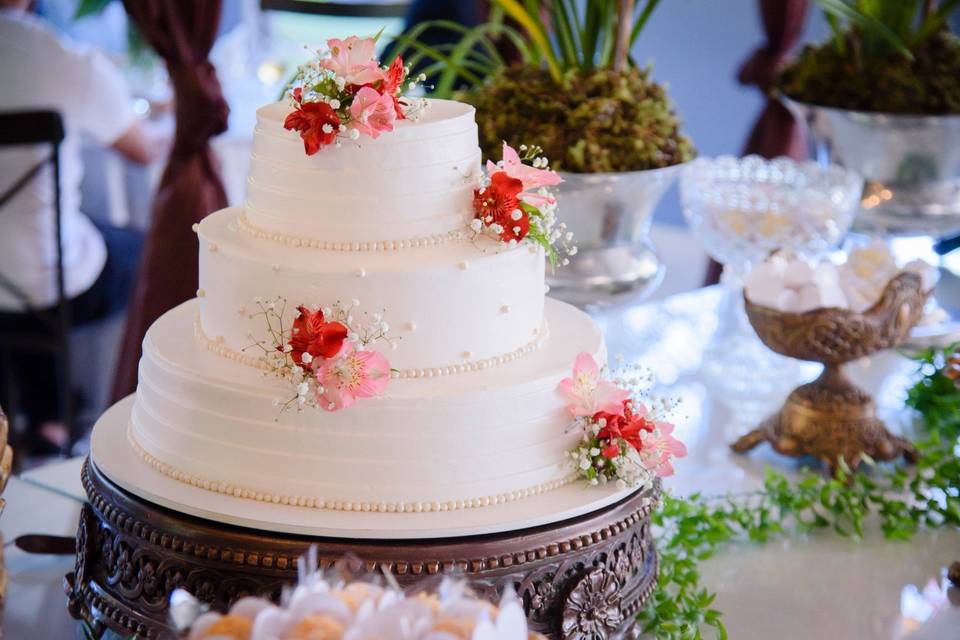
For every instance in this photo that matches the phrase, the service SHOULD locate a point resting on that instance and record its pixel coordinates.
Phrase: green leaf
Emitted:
(453, 66)
(90, 7)
(867, 23)
(565, 33)
(532, 24)
(591, 34)
(609, 27)
(642, 19)
(838, 35)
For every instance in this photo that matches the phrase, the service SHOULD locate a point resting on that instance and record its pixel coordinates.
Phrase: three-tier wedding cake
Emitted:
(471, 415)
(371, 332)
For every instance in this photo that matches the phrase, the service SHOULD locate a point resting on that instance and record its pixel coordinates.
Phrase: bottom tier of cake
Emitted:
(466, 440)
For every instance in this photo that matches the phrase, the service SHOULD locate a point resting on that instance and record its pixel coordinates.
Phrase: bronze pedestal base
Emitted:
(581, 578)
(830, 419)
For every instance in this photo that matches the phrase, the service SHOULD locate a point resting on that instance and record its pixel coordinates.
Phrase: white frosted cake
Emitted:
(472, 415)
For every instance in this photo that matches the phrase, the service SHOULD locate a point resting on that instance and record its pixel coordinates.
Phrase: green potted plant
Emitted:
(599, 117)
(882, 97)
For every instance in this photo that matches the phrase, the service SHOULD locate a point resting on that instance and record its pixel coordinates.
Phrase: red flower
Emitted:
(626, 426)
(309, 119)
(611, 451)
(311, 334)
(497, 204)
(392, 81)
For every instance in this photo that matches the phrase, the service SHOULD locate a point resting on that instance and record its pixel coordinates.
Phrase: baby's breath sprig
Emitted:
(623, 469)
(275, 355)
(545, 228)
(364, 329)
(522, 208)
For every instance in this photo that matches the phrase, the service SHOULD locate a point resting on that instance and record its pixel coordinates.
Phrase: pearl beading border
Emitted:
(220, 348)
(236, 491)
(244, 224)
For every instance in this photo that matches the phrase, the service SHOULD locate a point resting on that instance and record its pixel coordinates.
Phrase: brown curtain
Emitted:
(776, 132)
(182, 32)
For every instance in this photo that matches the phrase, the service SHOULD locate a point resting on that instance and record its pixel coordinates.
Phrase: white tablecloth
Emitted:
(820, 586)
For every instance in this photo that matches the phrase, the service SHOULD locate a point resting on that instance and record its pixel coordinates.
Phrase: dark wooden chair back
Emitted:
(52, 327)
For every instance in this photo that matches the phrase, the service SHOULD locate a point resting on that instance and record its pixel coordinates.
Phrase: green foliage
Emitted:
(584, 34)
(899, 500)
(579, 37)
(884, 27)
(891, 56)
(576, 90)
(935, 396)
(598, 122)
(89, 8)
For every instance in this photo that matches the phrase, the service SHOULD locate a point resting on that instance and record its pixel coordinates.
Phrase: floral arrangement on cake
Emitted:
(622, 441)
(513, 202)
(325, 355)
(344, 92)
(331, 609)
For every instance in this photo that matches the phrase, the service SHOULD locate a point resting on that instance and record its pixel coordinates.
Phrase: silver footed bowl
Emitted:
(910, 163)
(610, 215)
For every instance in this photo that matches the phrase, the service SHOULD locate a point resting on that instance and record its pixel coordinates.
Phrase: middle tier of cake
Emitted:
(450, 307)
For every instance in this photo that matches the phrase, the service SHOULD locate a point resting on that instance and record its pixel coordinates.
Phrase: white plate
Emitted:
(114, 457)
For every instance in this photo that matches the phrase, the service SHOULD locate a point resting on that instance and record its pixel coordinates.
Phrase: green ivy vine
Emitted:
(900, 499)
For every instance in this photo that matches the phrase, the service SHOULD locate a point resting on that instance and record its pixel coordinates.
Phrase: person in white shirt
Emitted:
(43, 70)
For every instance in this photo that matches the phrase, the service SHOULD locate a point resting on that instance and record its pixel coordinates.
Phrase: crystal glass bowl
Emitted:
(742, 209)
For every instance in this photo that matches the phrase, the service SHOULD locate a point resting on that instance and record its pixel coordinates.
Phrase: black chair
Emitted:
(49, 330)
(340, 8)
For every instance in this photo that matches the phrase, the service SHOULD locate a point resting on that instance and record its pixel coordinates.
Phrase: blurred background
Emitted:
(695, 48)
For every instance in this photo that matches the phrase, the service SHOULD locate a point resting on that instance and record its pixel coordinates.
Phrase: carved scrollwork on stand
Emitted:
(131, 555)
(592, 609)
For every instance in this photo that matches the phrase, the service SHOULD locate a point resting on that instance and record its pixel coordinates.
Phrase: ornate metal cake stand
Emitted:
(581, 578)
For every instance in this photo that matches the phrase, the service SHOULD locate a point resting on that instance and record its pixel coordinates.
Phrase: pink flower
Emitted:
(353, 60)
(531, 177)
(587, 393)
(659, 447)
(352, 374)
(372, 112)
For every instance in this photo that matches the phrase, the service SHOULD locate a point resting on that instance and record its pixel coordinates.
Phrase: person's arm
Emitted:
(140, 143)
(105, 110)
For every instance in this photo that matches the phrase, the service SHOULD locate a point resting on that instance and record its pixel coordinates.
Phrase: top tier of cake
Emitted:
(379, 225)
(411, 183)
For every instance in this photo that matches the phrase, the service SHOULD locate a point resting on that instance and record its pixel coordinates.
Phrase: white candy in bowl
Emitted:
(794, 285)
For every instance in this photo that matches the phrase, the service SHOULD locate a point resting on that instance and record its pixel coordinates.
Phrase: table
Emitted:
(819, 586)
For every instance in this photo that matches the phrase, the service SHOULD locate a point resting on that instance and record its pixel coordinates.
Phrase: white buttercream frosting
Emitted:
(449, 442)
(375, 226)
(455, 309)
(417, 181)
